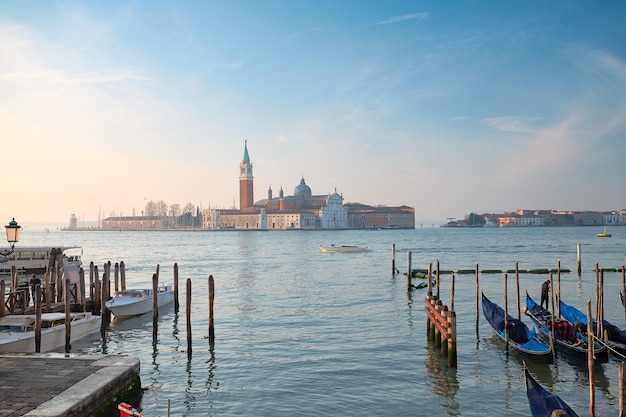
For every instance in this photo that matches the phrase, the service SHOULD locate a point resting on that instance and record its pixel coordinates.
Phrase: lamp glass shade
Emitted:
(13, 231)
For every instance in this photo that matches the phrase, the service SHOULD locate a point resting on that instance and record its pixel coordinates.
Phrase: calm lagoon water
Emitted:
(300, 332)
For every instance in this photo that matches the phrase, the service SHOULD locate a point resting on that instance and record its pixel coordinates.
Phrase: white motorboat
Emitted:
(135, 302)
(36, 259)
(17, 332)
(343, 248)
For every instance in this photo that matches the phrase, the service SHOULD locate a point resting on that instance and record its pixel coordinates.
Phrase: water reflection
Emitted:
(443, 379)
(410, 308)
(190, 396)
(211, 367)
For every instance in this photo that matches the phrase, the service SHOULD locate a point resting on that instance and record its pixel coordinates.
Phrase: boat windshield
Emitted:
(130, 294)
(7, 329)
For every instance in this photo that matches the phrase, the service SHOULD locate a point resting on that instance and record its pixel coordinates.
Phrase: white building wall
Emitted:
(334, 215)
(614, 218)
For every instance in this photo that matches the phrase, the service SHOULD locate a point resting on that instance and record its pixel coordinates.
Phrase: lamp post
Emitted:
(13, 235)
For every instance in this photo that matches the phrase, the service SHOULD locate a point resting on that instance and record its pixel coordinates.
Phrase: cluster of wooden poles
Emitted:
(441, 321)
(68, 296)
(102, 292)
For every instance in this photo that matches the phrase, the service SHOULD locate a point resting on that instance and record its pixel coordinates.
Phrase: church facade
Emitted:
(301, 211)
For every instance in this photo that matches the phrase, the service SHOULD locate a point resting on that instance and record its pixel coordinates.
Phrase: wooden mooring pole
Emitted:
(506, 314)
(38, 318)
(437, 279)
(176, 305)
(188, 314)
(621, 391)
(117, 276)
(211, 299)
(123, 275)
(590, 362)
(519, 309)
(91, 285)
(3, 291)
(155, 305)
(393, 259)
(578, 258)
(104, 296)
(59, 280)
(49, 294)
(97, 291)
(624, 288)
(409, 274)
(477, 296)
(68, 318)
(82, 290)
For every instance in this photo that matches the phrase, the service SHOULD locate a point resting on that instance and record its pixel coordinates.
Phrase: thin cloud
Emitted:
(513, 124)
(398, 19)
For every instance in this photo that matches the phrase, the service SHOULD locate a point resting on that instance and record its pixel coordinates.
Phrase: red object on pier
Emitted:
(126, 410)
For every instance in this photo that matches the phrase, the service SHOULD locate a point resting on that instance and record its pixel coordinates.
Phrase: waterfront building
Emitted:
(136, 223)
(362, 216)
(615, 218)
(301, 211)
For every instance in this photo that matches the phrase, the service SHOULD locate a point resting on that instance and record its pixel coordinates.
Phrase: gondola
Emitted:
(565, 340)
(616, 337)
(520, 337)
(541, 401)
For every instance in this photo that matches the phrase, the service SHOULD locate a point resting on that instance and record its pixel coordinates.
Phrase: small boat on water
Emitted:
(541, 401)
(36, 259)
(565, 340)
(343, 248)
(520, 337)
(135, 302)
(17, 332)
(604, 234)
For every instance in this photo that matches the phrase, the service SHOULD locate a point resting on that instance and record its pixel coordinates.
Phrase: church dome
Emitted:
(302, 190)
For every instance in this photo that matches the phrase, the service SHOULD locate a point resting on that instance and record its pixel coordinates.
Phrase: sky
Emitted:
(447, 107)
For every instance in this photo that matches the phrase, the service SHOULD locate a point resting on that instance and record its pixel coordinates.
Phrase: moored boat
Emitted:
(343, 248)
(564, 336)
(36, 259)
(135, 302)
(604, 234)
(541, 401)
(616, 338)
(520, 336)
(17, 332)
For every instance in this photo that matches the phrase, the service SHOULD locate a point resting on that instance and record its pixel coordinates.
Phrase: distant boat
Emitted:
(343, 248)
(605, 234)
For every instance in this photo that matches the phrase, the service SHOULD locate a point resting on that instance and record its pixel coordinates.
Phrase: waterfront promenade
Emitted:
(55, 384)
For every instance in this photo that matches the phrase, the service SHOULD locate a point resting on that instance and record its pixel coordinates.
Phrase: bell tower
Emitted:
(246, 181)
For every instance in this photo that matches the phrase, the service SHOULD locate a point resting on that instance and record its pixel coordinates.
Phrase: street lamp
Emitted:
(13, 235)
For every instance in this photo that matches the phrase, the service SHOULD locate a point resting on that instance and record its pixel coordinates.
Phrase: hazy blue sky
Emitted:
(449, 107)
